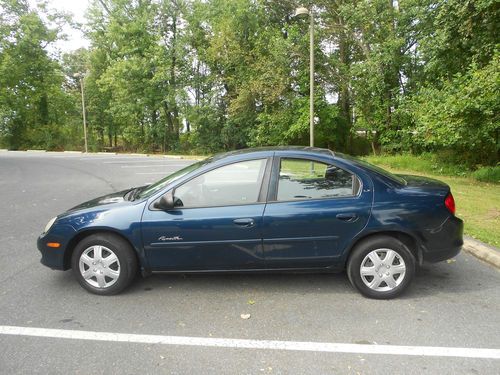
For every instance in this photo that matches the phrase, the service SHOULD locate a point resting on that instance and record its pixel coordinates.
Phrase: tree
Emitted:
(32, 102)
(456, 102)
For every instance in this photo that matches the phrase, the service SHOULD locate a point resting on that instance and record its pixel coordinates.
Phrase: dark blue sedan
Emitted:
(269, 209)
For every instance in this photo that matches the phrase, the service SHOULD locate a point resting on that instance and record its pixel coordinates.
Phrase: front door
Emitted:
(316, 210)
(216, 224)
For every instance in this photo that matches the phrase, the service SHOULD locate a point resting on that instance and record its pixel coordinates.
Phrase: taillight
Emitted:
(449, 202)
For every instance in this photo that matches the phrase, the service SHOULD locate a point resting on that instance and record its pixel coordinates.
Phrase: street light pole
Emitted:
(302, 11)
(78, 75)
(311, 79)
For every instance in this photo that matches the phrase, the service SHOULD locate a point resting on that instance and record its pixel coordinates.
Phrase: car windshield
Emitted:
(375, 169)
(159, 185)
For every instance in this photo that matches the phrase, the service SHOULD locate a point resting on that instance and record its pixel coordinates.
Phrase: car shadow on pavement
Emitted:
(450, 277)
(461, 275)
(293, 283)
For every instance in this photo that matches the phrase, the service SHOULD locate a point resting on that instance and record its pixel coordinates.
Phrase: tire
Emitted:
(104, 264)
(381, 267)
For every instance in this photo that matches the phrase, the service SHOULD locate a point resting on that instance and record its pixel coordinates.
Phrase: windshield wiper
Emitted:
(131, 194)
(135, 193)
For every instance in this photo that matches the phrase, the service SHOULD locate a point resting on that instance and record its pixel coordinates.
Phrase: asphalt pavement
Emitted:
(453, 304)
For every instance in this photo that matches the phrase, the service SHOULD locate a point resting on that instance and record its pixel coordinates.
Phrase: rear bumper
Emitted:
(446, 242)
(440, 255)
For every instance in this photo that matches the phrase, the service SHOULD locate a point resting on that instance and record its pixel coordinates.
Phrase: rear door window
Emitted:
(307, 179)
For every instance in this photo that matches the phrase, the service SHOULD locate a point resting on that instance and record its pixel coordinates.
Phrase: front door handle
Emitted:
(245, 223)
(347, 217)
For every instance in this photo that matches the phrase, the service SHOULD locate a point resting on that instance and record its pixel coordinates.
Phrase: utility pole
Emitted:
(80, 76)
(311, 79)
(302, 11)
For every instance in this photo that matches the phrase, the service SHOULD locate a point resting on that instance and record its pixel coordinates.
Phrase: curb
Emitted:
(183, 157)
(486, 253)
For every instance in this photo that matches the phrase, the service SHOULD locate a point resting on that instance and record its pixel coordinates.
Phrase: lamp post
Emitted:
(302, 11)
(80, 76)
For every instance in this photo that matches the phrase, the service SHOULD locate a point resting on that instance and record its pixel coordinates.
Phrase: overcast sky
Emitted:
(77, 8)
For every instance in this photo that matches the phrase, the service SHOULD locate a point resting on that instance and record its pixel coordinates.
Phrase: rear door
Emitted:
(314, 210)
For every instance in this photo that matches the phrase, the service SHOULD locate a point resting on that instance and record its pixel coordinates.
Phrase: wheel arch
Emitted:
(70, 248)
(407, 239)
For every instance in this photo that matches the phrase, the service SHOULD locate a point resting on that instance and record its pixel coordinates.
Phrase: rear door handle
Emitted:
(245, 223)
(347, 217)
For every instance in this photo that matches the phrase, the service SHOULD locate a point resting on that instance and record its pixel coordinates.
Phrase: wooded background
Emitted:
(199, 76)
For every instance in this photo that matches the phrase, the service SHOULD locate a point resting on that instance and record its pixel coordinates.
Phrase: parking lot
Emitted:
(452, 306)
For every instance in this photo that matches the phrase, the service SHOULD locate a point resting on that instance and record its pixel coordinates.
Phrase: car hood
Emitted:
(113, 198)
(111, 210)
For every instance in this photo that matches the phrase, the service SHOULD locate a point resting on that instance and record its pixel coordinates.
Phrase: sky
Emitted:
(77, 8)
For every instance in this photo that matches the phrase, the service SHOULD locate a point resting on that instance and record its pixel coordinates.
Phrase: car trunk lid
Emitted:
(424, 183)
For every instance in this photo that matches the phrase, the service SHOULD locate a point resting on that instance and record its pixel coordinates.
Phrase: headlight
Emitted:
(49, 225)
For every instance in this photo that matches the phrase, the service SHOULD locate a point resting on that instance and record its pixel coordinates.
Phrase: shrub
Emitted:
(488, 174)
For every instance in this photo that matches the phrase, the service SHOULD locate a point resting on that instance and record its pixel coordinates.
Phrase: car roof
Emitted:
(271, 149)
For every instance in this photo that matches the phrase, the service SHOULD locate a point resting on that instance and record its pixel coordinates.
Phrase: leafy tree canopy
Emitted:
(209, 75)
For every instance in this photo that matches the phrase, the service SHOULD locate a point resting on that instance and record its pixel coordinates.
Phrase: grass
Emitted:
(425, 163)
(478, 203)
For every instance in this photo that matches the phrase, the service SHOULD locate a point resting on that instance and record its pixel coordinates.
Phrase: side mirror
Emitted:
(166, 202)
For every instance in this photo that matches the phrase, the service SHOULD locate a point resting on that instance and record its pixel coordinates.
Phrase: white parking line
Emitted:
(163, 172)
(152, 166)
(142, 161)
(326, 347)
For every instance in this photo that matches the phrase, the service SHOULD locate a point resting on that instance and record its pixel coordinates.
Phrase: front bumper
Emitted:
(52, 257)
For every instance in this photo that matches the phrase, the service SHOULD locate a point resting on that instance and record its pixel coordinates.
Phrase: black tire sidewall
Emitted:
(367, 246)
(124, 252)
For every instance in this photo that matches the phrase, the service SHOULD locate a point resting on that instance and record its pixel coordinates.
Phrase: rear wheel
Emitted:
(104, 264)
(381, 267)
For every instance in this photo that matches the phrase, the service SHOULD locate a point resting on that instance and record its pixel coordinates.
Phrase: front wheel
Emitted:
(104, 264)
(381, 267)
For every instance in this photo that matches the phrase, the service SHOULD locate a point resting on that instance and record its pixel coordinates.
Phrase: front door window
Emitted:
(233, 184)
